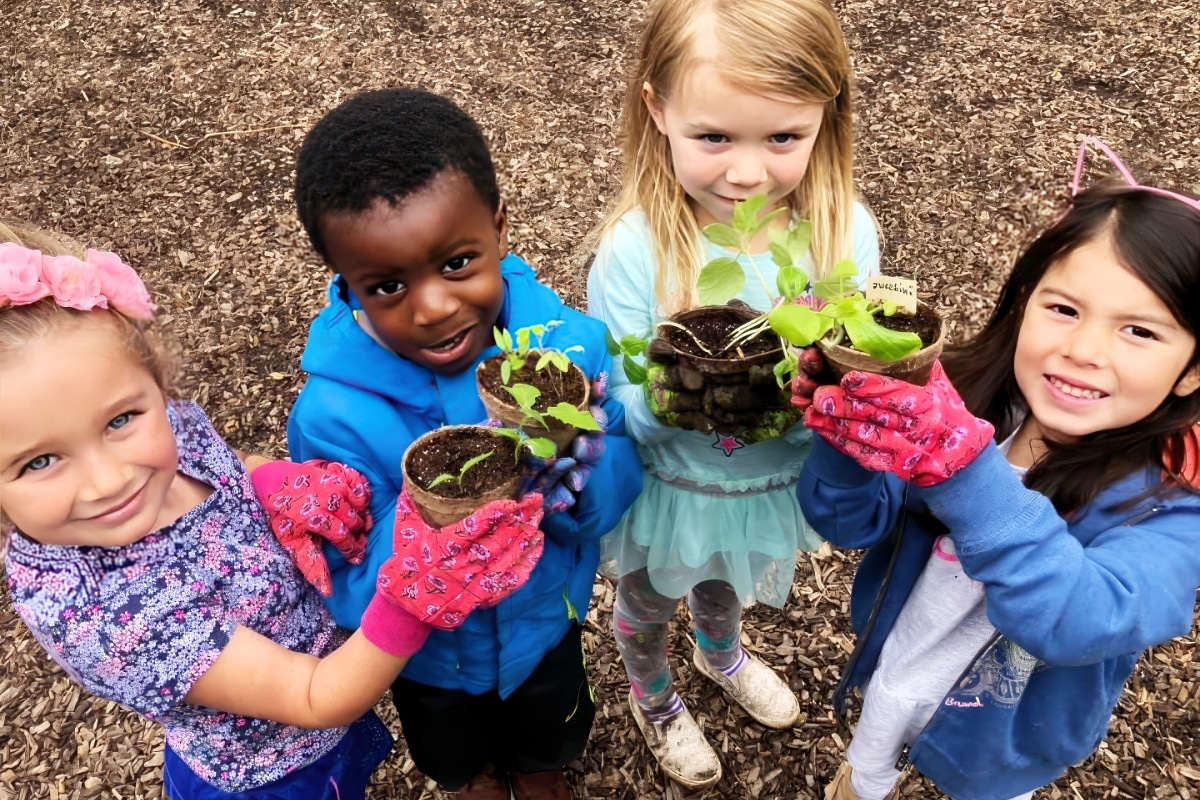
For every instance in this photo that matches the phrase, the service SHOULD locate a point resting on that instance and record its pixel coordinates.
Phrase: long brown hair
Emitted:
(1158, 240)
(784, 48)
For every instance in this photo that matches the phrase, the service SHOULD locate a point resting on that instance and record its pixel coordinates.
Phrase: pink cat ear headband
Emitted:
(1125, 173)
(102, 280)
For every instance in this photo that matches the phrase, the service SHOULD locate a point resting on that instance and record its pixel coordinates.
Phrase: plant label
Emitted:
(901, 291)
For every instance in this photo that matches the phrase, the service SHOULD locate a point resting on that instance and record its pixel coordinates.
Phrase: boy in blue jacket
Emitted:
(398, 193)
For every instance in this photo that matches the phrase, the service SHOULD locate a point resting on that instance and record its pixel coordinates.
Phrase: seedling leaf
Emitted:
(791, 282)
(722, 235)
(479, 459)
(524, 394)
(871, 337)
(634, 371)
(570, 415)
(439, 480)
(720, 281)
(800, 325)
(632, 345)
(614, 348)
(745, 214)
(541, 447)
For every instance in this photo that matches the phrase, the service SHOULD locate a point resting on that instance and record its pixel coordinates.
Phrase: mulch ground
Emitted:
(166, 131)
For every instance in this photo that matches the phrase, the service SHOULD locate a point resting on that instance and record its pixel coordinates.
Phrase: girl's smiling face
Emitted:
(87, 454)
(1097, 349)
(729, 144)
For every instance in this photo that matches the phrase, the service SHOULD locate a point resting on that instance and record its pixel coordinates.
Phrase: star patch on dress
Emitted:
(727, 443)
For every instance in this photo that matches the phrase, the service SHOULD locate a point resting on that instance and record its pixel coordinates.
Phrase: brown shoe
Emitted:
(487, 785)
(541, 786)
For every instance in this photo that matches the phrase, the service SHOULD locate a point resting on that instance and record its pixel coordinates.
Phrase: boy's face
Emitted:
(427, 271)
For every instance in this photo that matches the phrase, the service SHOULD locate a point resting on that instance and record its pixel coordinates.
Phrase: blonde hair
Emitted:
(785, 48)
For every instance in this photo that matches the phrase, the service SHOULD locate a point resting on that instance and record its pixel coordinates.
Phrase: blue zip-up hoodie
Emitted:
(1075, 603)
(363, 405)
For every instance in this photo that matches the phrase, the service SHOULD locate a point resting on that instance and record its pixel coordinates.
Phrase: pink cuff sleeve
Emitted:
(269, 477)
(392, 629)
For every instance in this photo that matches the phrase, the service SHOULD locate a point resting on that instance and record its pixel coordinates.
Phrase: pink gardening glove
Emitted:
(440, 575)
(923, 434)
(812, 365)
(313, 502)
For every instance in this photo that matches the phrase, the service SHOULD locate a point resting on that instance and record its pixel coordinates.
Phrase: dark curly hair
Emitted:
(387, 144)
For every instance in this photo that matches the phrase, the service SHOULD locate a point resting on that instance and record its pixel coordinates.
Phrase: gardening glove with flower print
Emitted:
(441, 575)
(923, 434)
(560, 480)
(313, 502)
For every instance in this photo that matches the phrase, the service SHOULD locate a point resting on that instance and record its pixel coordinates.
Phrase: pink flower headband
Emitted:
(103, 280)
(1125, 173)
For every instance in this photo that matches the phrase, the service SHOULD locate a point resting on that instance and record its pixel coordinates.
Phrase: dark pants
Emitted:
(453, 735)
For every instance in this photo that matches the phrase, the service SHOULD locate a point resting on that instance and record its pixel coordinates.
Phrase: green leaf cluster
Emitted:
(845, 311)
(517, 351)
(526, 396)
(628, 348)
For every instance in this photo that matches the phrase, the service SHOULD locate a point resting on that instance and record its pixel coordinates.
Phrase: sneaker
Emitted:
(681, 749)
(540, 786)
(487, 785)
(756, 688)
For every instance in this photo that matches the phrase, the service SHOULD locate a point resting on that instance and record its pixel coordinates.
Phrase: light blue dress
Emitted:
(713, 508)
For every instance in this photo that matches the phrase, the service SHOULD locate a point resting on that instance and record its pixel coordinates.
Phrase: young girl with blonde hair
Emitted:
(138, 553)
(730, 99)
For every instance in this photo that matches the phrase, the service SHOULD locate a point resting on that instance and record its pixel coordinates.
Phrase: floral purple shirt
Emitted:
(140, 624)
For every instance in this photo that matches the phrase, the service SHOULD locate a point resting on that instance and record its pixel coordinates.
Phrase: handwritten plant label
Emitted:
(901, 291)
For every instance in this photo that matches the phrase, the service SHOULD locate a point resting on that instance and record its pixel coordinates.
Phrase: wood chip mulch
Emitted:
(166, 131)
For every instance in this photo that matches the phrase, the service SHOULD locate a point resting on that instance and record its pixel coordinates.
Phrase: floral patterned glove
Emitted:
(923, 434)
(560, 480)
(440, 575)
(313, 502)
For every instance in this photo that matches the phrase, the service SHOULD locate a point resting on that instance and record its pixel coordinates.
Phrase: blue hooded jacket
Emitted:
(1075, 603)
(363, 405)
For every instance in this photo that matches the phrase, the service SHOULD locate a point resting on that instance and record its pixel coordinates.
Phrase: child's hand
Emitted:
(560, 480)
(924, 434)
(440, 575)
(672, 402)
(314, 501)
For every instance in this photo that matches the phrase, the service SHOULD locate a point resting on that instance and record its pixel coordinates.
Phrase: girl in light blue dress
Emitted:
(715, 114)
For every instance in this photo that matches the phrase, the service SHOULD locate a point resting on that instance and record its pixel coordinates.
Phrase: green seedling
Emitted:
(537, 445)
(629, 347)
(462, 473)
(832, 309)
(517, 351)
(526, 396)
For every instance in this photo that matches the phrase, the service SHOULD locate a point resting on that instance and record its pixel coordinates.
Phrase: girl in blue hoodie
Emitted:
(1029, 540)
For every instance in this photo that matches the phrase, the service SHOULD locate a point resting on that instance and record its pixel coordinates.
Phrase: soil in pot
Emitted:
(914, 369)
(713, 328)
(447, 453)
(556, 386)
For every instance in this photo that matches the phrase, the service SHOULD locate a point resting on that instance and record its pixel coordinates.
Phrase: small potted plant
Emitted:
(536, 389)
(852, 332)
(452, 472)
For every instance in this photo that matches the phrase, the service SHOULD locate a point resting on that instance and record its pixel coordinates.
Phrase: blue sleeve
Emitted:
(848, 505)
(325, 433)
(1133, 586)
(621, 294)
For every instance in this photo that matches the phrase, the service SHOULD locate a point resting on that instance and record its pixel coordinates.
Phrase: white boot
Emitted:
(680, 747)
(758, 689)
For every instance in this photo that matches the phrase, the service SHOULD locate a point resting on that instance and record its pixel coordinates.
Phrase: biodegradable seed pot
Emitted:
(450, 475)
(914, 369)
(555, 387)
